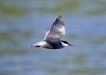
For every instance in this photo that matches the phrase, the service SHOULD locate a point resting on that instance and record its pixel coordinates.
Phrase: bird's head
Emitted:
(65, 43)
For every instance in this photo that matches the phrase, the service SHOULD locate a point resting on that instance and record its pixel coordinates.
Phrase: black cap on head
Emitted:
(65, 42)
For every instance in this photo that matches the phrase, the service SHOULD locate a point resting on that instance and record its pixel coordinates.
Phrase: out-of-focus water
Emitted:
(25, 22)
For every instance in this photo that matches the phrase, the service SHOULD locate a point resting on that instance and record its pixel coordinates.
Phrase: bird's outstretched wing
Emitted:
(56, 30)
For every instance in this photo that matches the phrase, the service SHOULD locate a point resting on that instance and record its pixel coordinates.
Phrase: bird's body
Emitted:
(53, 35)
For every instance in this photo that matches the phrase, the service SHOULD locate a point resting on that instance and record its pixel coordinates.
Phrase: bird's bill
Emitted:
(70, 45)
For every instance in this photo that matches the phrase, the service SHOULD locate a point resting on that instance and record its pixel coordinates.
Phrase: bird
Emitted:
(52, 39)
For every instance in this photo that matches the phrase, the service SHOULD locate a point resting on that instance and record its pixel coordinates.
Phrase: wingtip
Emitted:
(60, 17)
(59, 20)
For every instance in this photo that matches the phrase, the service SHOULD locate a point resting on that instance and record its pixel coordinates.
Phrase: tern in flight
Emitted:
(53, 35)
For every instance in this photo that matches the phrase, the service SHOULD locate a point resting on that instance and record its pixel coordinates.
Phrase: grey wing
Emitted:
(56, 30)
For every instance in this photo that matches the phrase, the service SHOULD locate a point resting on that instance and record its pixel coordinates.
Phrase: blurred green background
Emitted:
(23, 22)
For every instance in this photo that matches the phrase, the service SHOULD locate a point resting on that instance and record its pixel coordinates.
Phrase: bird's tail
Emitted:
(31, 45)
